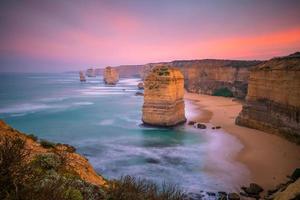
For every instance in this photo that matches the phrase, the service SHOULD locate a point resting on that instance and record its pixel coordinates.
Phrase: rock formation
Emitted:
(82, 76)
(163, 97)
(91, 72)
(140, 85)
(209, 76)
(111, 76)
(273, 99)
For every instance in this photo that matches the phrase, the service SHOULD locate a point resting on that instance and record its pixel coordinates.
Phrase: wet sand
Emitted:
(269, 157)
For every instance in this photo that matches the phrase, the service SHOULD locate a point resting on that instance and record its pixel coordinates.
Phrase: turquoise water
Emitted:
(103, 123)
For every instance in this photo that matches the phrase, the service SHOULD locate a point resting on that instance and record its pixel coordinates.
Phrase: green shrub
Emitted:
(47, 144)
(73, 194)
(224, 92)
(128, 188)
(33, 137)
(47, 161)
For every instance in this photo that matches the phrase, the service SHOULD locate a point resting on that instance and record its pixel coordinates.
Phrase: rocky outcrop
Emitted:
(91, 72)
(140, 85)
(273, 99)
(73, 161)
(209, 76)
(111, 76)
(163, 97)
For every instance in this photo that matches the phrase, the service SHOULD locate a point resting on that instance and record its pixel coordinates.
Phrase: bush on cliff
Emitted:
(46, 177)
(224, 92)
(46, 144)
(128, 188)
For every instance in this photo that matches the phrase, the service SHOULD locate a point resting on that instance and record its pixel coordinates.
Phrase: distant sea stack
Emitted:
(111, 76)
(273, 99)
(91, 72)
(82, 76)
(163, 97)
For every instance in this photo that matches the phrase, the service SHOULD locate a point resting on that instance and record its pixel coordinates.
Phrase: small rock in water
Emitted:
(152, 160)
(254, 189)
(222, 195)
(200, 126)
(140, 85)
(233, 196)
(210, 193)
(191, 123)
(139, 94)
(218, 127)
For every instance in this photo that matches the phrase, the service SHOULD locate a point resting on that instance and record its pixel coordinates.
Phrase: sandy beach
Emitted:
(269, 158)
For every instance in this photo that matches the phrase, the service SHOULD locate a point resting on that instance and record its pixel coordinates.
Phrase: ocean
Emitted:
(104, 124)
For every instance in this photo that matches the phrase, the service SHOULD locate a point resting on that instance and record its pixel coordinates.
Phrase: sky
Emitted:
(64, 35)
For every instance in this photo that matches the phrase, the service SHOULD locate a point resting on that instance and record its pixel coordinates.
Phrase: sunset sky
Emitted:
(57, 35)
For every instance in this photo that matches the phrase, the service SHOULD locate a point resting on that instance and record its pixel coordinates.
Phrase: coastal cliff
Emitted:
(73, 161)
(211, 76)
(111, 76)
(163, 97)
(273, 99)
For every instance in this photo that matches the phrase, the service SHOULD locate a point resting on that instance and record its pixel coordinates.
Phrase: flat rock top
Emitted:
(290, 62)
(164, 72)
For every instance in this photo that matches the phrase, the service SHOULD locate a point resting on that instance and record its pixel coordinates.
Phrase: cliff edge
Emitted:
(73, 161)
(273, 99)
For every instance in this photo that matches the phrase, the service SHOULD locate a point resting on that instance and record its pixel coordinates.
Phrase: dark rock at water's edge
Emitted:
(253, 189)
(191, 123)
(233, 196)
(140, 85)
(200, 126)
(139, 94)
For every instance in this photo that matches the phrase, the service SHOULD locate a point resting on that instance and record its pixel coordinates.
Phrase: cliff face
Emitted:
(273, 99)
(74, 161)
(163, 97)
(208, 76)
(111, 76)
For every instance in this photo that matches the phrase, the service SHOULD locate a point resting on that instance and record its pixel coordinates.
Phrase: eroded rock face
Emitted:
(111, 76)
(163, 97)
(209, 75)
(273, 99)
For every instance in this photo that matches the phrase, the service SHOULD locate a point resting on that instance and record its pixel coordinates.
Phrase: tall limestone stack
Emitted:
(163, 97)
(273, 99)
(111, 76)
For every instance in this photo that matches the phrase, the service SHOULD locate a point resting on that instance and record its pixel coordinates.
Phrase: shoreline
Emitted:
(268, 157)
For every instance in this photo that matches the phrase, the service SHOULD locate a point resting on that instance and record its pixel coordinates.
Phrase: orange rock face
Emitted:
(163, 97)
(273, 99)
(74, 162)
(111, 76)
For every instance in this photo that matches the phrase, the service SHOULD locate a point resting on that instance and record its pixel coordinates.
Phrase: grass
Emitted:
(223, 92)
(47, 144)
(47, 177)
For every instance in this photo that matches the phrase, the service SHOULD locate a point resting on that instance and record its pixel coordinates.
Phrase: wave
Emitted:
(84, 103)
(53, 99)
(130, 81)
(23, 108)
(106, 122)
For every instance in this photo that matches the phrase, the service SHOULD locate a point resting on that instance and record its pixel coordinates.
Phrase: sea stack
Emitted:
(273, 99)
(81, 76)
(91, 72)
(163, 97)
(111, 76)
